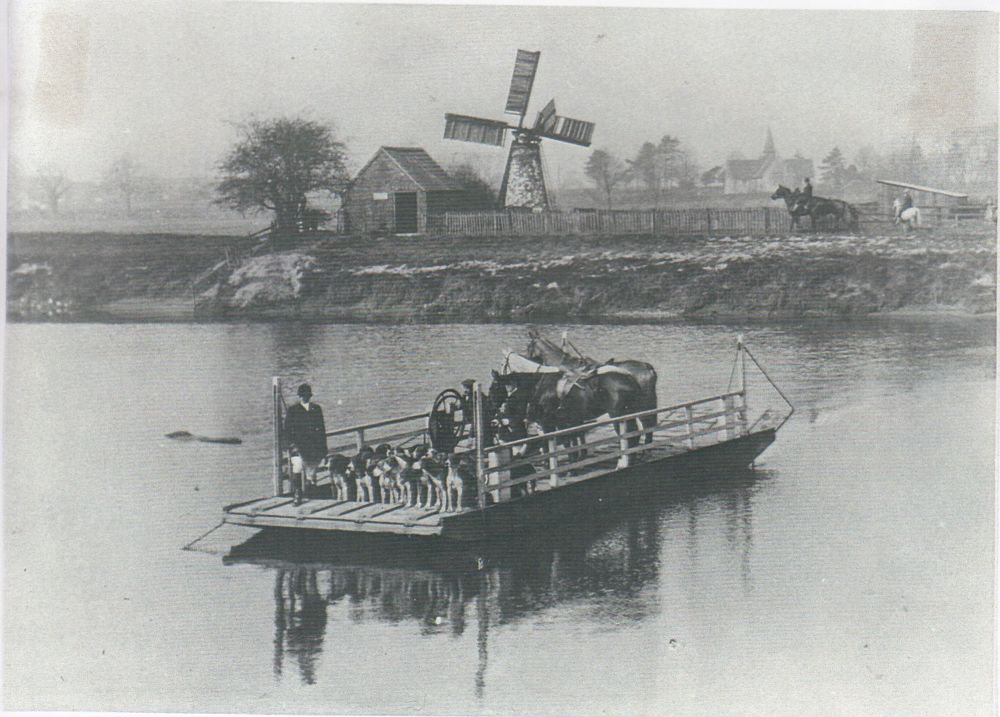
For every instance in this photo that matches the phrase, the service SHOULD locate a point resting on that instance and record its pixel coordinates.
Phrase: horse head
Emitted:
(499, 389)
(781, 192)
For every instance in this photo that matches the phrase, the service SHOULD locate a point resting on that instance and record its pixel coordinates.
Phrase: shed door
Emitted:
(406, 212)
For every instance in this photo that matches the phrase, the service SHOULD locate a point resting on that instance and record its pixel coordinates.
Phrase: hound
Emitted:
(342, 480)
(461, 479)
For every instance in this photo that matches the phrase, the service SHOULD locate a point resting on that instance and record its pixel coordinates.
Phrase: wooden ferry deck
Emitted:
(321, 513)
(713, 433)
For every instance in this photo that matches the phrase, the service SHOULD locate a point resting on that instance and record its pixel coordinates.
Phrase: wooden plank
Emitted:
(535, 457)
(270, 503)
(332, 524)
(326, 506)
(391, 508)
(609, 456)
(375, 440)
(377, 424)
(352, 506)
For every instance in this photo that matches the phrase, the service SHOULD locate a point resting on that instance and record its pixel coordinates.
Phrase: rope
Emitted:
(203, 536)
(578, 352)
(773, 385)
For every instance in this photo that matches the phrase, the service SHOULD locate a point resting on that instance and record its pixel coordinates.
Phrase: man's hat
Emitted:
(305, 390)
(468, 383)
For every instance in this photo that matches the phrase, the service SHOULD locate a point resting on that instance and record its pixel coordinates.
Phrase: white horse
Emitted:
(910, 217)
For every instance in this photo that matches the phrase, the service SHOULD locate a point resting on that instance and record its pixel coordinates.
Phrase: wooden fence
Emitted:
(760, 221)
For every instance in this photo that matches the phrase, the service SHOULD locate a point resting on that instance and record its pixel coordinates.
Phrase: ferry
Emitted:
(540, 478)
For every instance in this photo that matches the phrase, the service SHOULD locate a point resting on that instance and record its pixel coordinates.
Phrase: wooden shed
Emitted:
(936, 204)
(401, 191)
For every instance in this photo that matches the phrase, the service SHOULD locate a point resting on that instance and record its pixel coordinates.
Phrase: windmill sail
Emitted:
(474, 129)
(521, 82)
(547, 118)
(571, 130)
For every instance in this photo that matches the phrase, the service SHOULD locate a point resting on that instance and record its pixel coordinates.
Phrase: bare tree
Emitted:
(53, 184)
(123, 178)
(276, 163)
(606, 171)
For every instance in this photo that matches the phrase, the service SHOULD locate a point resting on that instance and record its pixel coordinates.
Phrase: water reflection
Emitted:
(603, 560)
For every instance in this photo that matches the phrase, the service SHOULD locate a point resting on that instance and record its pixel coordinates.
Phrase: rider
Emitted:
(907, 201)
(804, 196)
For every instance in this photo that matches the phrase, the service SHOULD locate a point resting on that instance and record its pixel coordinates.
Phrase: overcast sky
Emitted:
(164, 81)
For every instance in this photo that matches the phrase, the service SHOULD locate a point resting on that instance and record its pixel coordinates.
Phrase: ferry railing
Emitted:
(681, 427)
(677, 428)
(363, 432)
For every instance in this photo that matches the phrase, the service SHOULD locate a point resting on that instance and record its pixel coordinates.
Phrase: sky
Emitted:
(165, 81)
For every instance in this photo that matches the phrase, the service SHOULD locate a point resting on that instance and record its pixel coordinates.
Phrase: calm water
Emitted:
(850, 574)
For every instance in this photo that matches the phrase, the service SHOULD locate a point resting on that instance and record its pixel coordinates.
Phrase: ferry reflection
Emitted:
(613, 553)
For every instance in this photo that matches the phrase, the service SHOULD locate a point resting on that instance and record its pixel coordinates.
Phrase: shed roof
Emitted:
(424, 171)
(918, 188)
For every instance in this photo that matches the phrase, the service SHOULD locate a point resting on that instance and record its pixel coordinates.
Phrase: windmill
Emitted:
(523, 185)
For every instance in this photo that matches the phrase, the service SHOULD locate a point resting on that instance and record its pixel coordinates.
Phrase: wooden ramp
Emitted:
(329, 514)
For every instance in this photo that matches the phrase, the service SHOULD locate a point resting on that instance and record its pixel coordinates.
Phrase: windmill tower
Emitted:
(523, 185)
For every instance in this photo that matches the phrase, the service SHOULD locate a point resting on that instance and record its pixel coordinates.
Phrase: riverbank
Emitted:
(106, 277)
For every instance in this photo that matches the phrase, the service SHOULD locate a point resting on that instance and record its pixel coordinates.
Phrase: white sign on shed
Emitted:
(380, 195)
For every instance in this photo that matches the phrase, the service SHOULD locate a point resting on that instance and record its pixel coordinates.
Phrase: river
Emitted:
(851, 573)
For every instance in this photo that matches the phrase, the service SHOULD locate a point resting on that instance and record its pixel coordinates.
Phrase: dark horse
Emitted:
(543, 351)
(817, 208)
(537, 398)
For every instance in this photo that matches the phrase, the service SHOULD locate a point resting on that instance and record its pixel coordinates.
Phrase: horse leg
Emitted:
(622, 459)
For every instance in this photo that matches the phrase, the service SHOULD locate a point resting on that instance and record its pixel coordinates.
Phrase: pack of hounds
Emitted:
(417, 476)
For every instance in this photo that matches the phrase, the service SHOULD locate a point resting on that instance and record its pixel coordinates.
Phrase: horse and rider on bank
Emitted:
(801, 202)
(904, 212)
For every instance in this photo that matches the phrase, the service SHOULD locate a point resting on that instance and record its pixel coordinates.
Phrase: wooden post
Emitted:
(730, 423)
(277, 478)
(742, 413)
(689, 414)
(497, 458)
(477, 417)
(553, 463)
(360, 439)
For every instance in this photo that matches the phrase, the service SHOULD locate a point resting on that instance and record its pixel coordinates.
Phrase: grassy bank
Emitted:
(159, 277)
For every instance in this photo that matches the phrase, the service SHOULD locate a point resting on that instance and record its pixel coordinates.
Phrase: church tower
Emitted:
(769, 151)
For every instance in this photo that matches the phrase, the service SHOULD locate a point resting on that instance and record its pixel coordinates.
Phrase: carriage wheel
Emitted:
(443, 426)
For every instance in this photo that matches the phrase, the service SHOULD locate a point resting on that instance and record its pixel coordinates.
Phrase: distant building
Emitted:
(927, 198)
(401, 191)
(748, 176)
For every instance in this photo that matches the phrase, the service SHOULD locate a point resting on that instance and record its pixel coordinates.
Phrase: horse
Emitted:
(546, 352)
(910, 217)
(816, 208)
(555, 401)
